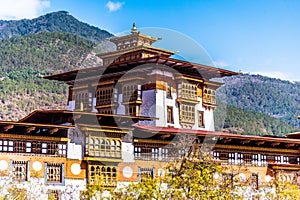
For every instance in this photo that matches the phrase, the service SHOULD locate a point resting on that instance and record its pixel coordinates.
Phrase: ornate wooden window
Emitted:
(235, 158)
(231, 157)
(104, 95)
(103, 147)
(282, 159)
(130, 93)
(19, 170)
(189, 91)
(54, 172)
(102, 175)
(169, 90)
(44, 148)
(81, 100)
(6, 145)
(216, 155)
(151, 153)
(52, 149)
(131, 110)
(263, 159)
(62, 149)
(255, 159)
(163, 153)
(146, 173)
(28, 147)
(170, 114)
(209, 96)
(137, 152)
(36, 147)
(239, 158)
(187, 113)
(201, 119)
(20, 146)
(248, 158)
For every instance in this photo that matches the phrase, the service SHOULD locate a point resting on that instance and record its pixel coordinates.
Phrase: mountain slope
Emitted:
(274, 97)
(44, 51)
(59, 21)
(24, 59)
(235, 120)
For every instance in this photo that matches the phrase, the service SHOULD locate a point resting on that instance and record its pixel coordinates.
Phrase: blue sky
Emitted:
(257, 36)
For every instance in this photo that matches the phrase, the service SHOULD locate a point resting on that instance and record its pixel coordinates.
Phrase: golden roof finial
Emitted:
(133, 29)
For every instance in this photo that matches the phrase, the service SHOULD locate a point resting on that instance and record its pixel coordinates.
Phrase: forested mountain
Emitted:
(60, 21)
(24, 59)
(49, 44)
(44, 51)
(274, 97)
(258, 105)
(58, 42)
(235, 120)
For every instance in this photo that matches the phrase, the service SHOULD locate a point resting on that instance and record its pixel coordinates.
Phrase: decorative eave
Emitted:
(31, 137)
(223, 135)
(193, 70)
(12, 124)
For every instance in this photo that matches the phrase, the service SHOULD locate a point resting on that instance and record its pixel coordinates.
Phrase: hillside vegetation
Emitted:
(273, 97)
(44, 51)
(24, 59)
(60, 21)
(231, 119)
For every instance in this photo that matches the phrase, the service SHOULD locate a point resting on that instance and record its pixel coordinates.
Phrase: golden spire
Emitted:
(133, 29)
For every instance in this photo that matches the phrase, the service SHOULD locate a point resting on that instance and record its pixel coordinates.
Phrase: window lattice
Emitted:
(54, 172)
(130, 93)
(187, 113)
(146, 173)
(209, 96)
(151, 153)
(103, 147)
(33, 147)
(104, 96)
(170, 114)
(19, 170)
(201, 119)
(189, 91)
(105, 175)
(6, 145)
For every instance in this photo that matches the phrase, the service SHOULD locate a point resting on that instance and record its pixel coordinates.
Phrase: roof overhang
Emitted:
(184, 67)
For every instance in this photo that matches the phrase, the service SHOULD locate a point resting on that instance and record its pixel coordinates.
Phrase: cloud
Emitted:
(20, 9)
(221, 63)
(273, 74)
(114, 6)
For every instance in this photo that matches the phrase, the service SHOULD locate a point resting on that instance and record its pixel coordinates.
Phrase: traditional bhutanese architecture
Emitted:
(124, 118)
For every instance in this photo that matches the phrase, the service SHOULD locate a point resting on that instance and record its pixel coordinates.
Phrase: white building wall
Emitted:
(127, 152)
(209, 120)
(160, 108)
